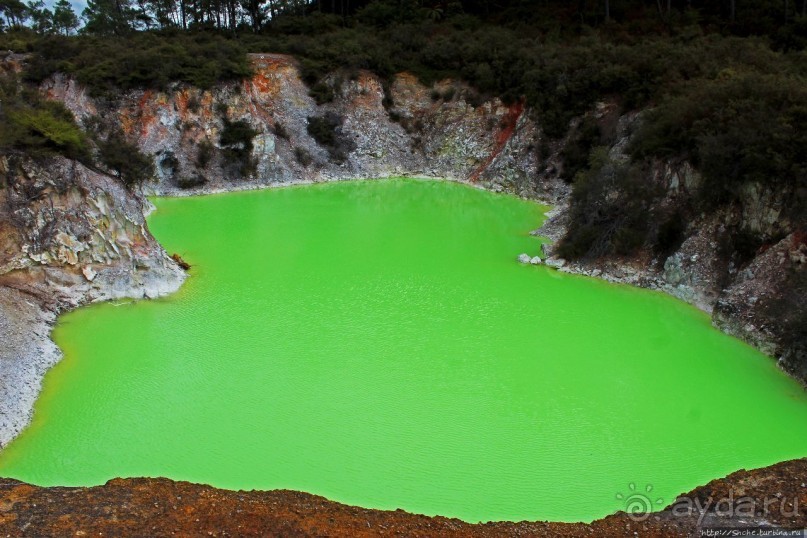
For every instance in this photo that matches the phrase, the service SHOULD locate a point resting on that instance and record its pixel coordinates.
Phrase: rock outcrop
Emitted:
(492, 144)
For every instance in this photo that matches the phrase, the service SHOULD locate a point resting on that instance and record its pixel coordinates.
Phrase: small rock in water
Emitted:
(536, 260)
(523, 258)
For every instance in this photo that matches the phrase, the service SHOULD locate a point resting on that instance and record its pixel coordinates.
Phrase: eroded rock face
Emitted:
(766, 304)
(492, 143)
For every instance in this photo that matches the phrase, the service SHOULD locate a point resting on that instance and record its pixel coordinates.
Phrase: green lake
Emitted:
(377, 343)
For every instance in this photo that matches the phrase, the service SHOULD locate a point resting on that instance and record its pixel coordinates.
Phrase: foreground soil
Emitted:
(162, 507)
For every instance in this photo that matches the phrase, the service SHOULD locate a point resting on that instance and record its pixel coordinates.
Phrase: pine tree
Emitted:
(65, 20)
(108, 17)
(14, 11)
(41, 17)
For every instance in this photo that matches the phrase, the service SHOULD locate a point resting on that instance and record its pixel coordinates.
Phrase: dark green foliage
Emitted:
(280, 130)
(38, 126)
(327, 131)
(221, 109)
(670, 233)
(124, 159)
(236, 143)
(321, 92)
(786, 306)
(736, 129)
(610, 209)
(194, 104)
(575, 153)
(107, 65)
(189, 182)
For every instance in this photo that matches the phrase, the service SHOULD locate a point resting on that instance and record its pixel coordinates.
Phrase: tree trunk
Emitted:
(608, 10)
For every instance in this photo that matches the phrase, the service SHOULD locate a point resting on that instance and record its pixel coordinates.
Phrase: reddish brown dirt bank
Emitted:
(161, 507)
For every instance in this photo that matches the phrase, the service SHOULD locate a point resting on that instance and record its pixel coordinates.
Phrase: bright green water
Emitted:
(377, 343)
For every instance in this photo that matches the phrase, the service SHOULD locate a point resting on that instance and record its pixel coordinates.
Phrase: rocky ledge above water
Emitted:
(161, 507)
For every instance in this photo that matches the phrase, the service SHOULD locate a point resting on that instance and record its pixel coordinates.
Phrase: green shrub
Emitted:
(321, 92)
(235, 140)
(37, 126)
(575, 153)
(610, 209)
(280, 130)
(108, 65)
(736, 129)
(190, 182)
(327, 131)
(125, 160)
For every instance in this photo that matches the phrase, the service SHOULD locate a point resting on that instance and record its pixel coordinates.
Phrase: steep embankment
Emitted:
(357, 137)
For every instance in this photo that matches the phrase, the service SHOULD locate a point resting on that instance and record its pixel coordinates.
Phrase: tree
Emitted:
(14, 11)
(108, 17)
(256, 12)
(65, 20)
(41, 17)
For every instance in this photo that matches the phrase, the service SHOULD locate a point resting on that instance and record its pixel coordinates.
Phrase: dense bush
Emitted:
(736, 129)
(610, 209)
(575, 154)
(125, 159)
(327, 131)
(303, 156)
(204, 153)
(37, 126)
(107, 65)
(786, 306)
(235, 140)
